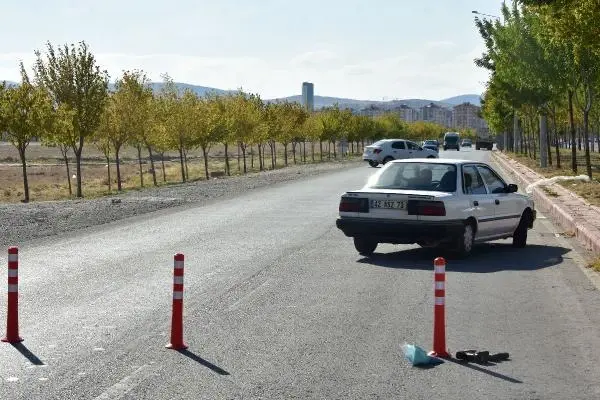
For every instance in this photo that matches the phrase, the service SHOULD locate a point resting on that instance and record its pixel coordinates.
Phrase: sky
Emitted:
(370, 50)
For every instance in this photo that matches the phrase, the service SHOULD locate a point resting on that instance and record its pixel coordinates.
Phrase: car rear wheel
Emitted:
(373, 163)
(388, 159)
(365, 246)
(520, 235)
(464, 244)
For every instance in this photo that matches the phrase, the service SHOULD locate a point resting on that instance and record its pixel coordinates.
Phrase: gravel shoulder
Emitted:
(23, 222)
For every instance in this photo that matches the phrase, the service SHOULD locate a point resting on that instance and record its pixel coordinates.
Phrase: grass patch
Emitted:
(49, 181)
(595, 265)
(590, 191)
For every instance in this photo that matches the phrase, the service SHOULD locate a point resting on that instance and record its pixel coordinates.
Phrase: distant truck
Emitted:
(484, 142)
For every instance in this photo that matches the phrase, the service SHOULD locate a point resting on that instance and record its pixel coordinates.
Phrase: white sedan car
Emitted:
(386, 150)
(435, 202)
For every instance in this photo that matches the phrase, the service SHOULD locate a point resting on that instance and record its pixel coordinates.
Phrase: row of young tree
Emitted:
(67, 104)
(544, 62)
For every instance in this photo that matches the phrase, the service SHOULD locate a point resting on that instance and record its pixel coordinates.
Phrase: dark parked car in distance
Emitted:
(431, 144)
(451, 141)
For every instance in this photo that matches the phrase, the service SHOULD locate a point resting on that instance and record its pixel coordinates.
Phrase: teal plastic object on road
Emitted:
(417, 356)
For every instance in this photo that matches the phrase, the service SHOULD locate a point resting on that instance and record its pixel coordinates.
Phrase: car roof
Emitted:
(439, 161)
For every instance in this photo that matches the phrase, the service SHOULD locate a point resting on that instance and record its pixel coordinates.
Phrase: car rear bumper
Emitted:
(401, 232)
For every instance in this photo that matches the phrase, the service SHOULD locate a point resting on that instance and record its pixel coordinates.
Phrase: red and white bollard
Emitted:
(439, 313)
(177, 342)
(12, 314)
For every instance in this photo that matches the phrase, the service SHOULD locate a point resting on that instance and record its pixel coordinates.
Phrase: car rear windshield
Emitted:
(451, 139)
(431, 142)
(415, 176)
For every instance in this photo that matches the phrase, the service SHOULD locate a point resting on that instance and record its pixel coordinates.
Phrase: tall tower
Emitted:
(308, 96)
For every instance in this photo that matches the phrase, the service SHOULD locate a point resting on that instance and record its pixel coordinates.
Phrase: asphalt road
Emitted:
(278, 304)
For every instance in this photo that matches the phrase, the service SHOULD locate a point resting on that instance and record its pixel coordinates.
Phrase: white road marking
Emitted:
(126, 384)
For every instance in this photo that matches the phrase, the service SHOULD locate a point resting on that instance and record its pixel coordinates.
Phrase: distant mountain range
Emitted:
(326, 101)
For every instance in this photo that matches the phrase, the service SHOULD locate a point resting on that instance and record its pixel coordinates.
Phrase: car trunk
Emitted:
(390, 204)
(370, 150)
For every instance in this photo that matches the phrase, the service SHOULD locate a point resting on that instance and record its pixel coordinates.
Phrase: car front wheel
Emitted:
(364, 246)
(373, 163)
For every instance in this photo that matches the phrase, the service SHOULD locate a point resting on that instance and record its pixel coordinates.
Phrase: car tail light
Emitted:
(426, 207)
(377, 151)
(354, 204)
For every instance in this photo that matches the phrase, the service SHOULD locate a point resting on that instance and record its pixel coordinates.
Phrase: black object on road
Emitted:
(481, 356)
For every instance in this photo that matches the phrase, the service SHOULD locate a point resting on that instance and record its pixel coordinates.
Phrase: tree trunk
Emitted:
(64, 151)
(141, 167)
(162, 161)
(273, 160)
(556, 138)
(205, 157)
(152, 166)
(182, 163)
(108, 173)
(227, 166)
(304, 150)
(573, 133)
(238, 159)
(321, 149)
(243, 147)
(543, 136)
(187, 171)
(294, 151)
(586, 141)
(260, 157)
(78, 151)
(333, 142)
(251, 157)
(118, 163)
(24, 166)
(312, 150)
(285, 154)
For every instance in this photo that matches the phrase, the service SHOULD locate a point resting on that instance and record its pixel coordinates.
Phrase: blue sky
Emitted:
(378, 49)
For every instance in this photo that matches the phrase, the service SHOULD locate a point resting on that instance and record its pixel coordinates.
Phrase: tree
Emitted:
(60, 134)
(25, 113)
(73, 79)
(132, 102)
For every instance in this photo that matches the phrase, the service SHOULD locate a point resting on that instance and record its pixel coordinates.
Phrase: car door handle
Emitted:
(497, 201)
(476, 203)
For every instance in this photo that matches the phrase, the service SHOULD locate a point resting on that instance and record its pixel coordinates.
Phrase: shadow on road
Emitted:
(484, 370)
(202, 361)
(27, 353)
(485, 258)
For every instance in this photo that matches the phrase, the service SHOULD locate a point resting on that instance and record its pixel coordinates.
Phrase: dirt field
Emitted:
(48, 179)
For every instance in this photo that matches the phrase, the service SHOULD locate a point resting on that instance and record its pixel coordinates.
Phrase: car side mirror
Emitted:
(512, 188)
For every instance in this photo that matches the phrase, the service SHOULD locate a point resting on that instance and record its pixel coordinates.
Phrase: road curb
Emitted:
(573, 218)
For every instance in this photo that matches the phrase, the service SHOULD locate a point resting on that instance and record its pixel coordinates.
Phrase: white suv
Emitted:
(387, 150)
(447, 203)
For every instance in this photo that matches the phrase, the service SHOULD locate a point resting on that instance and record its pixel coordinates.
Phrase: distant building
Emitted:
(434, 113)
(372, 111)
(407, 113)
(466, 115)
(308, 96)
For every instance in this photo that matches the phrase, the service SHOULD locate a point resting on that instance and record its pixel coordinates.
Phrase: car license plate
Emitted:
(394, 204)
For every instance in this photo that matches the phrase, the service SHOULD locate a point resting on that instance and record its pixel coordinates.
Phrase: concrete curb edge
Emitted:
(554, 209)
